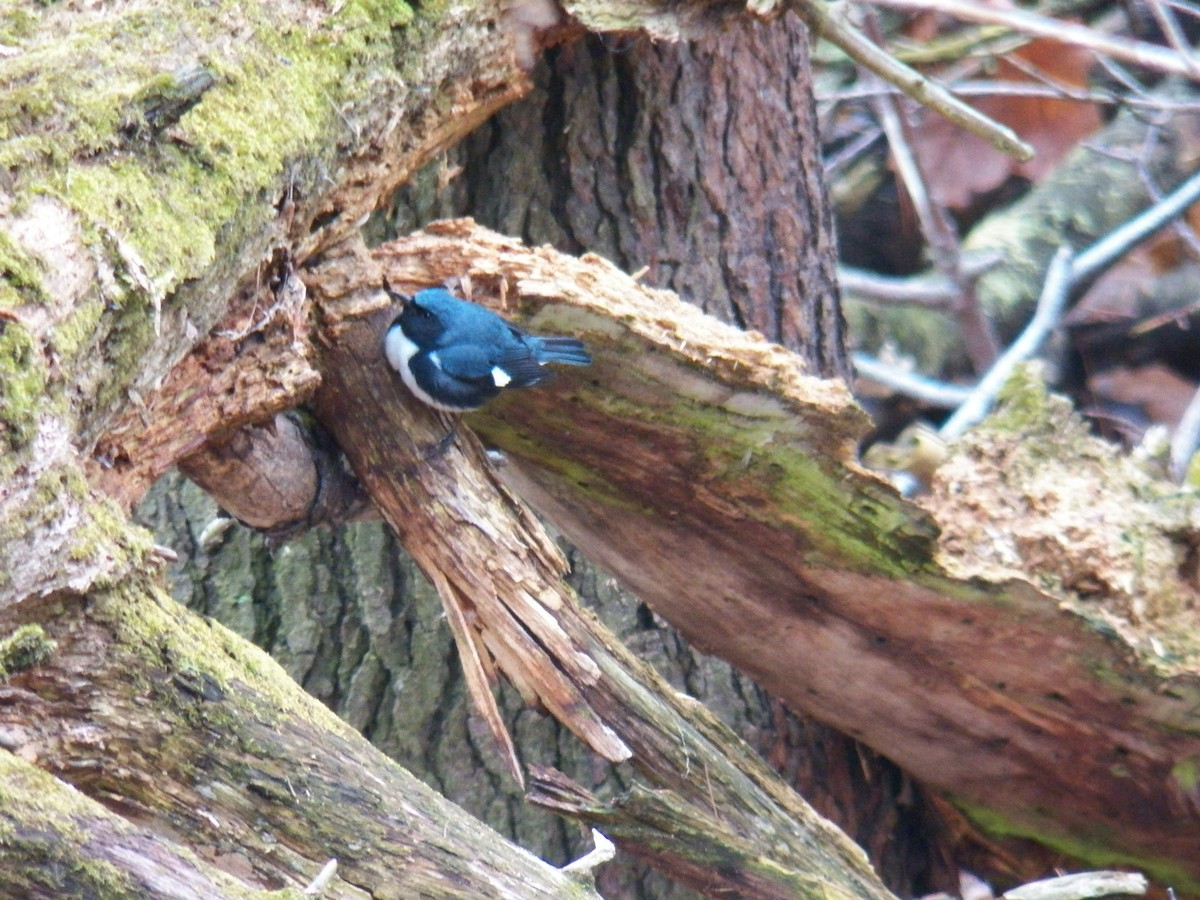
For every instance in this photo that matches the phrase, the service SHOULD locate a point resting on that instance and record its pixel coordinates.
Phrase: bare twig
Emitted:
(940, 234)
(1137, 52)
(941, 394)
(930, 289)
(1081, 886)
(1055, 291)
(824, 22)
(318, 885)
(1186, 439)
(604, 851)
(1173, 33)
(988, 88)
(935, 225)
(852, 151)
(1067, 276)
(1089, 263)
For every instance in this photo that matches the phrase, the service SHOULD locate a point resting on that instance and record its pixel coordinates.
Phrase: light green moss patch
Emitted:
(148, 623)
(16, 24)
(930, 338)
(20, 275)
(75, 109)
(72, 334)
(1095, 849)
(22, 385)
(761, 451)
(1186, 773)
(48, 813)
(25, 648)
(42, 818)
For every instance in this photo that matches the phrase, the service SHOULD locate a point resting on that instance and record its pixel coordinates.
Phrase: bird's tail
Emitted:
(562, 350)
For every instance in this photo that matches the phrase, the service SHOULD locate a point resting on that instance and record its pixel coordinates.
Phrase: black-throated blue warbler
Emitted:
(455, 355)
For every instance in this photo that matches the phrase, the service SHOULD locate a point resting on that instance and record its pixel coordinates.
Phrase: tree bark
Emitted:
(214, 774)
(686, 162)
(697, 164)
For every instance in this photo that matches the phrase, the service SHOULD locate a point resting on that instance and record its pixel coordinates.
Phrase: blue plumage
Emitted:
(455, 355)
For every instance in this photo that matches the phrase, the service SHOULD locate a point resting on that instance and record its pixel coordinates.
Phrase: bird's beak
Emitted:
(402, 299)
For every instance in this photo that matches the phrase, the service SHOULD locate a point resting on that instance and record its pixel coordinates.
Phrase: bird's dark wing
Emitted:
(523, 368)
(468, 362)
(477, 362)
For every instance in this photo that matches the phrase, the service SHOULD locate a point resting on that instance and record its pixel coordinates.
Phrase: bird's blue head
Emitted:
(427, 315)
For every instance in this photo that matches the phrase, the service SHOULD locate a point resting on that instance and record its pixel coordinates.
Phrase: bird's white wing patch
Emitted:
(500, 377)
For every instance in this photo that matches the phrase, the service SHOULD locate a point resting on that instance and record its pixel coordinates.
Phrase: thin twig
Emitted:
(318, 884)
(940, 394)
(1186, 439)
(1173, 33)
(932, 290)
(1089, 263)
(1055, 290)
(1067, 276)
(1139, 53)
(940, 234)
(988, 88)
(852, 151)
(1122, 76)
(1080, 886)
(604, 851)
(823, 22)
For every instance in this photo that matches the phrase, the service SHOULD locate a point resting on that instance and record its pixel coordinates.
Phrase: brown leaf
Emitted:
(959, 165)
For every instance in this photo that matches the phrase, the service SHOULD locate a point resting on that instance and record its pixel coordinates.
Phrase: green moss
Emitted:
(149, 624)
(74, 333)
(25, 648)
(1025, 407)
(41, 818)
(266, 107)
(157, 196)
(22, 385)
(47, 812)
(1186, 774)
(1095, 849)
(395, 13)
(1192, 476)
(105, 533)
(16, 25)
(930, 337)
(748, 439)
(20, 275)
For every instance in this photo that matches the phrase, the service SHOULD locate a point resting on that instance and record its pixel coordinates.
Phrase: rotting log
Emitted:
(500, 578)
(699, 465)
(211, 774)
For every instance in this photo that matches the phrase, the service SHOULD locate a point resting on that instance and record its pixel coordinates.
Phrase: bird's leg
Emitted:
(439, 449)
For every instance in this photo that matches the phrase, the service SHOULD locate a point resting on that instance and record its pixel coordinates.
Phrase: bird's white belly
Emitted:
(400, 351)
